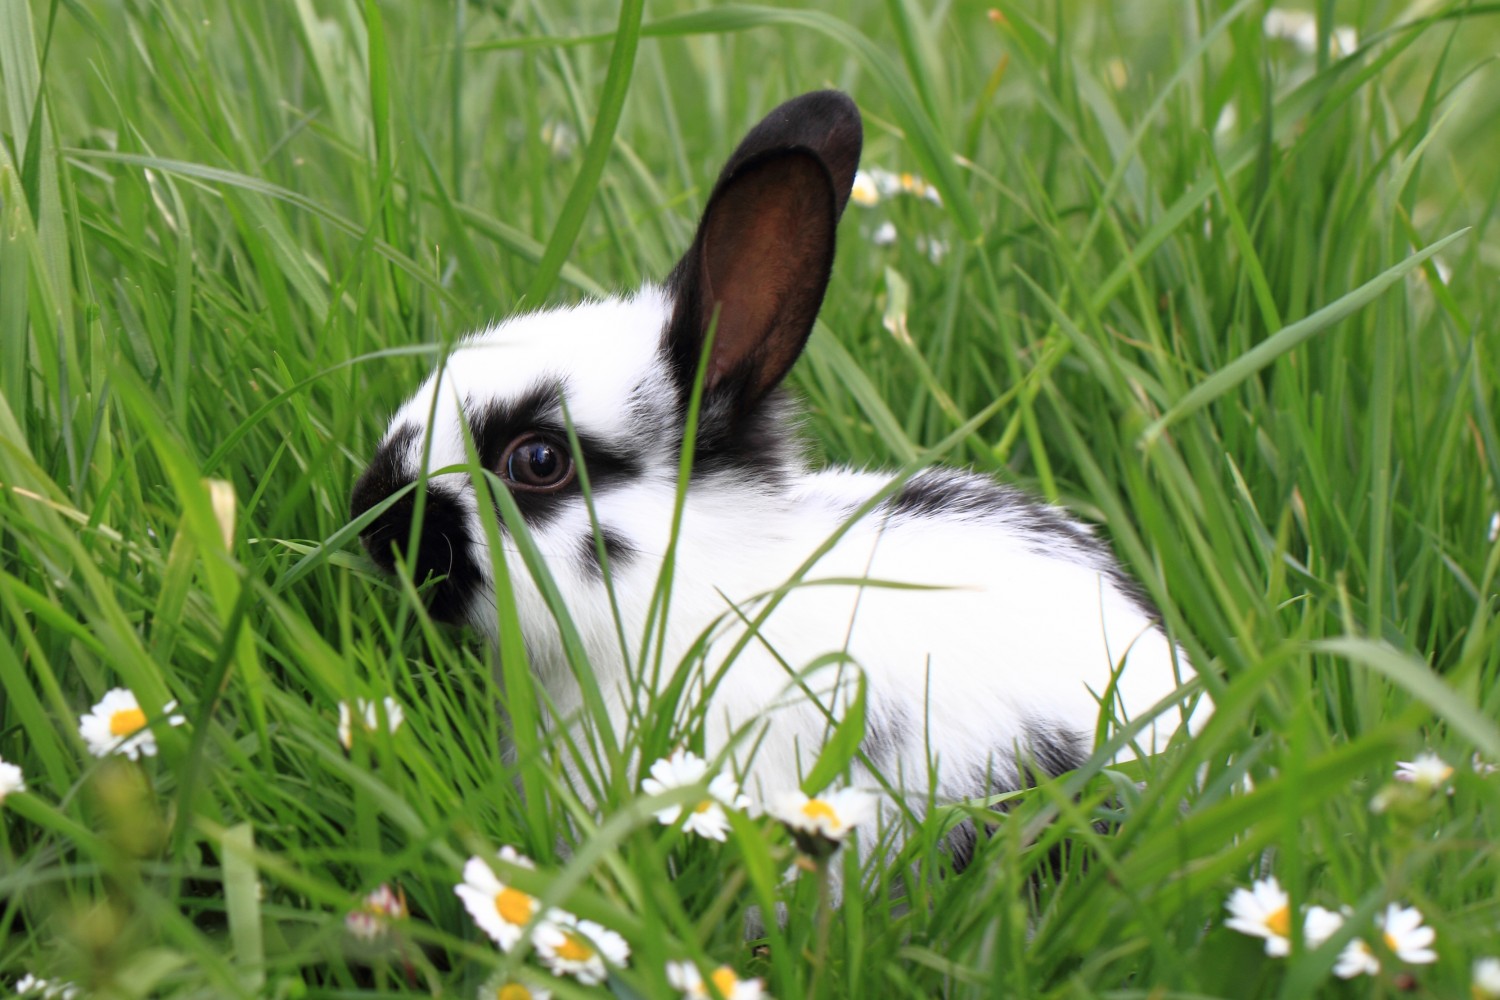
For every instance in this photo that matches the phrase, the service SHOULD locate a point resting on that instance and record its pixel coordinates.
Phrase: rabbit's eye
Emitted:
(532, 462)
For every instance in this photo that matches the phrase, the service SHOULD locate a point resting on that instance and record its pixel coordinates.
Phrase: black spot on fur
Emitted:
(1049, 752)
(962, 841)
(949, 494)
(617, 550)
(387, 472)
(754, 446)
(496, 424)
(1045, 752)
(444, 548)
(956, 496)
(889, 728)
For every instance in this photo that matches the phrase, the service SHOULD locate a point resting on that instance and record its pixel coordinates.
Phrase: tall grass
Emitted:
(1236, 300)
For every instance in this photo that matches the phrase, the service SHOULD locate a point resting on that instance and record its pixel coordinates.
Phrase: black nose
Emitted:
(444, 548)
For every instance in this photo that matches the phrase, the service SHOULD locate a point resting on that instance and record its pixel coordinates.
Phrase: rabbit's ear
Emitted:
(764, 249)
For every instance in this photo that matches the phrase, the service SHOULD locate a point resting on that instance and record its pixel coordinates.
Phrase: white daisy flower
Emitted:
(1264, 911)
(1428, 771)
(685, 976)
(501, 987)
(1482, 767)
(579, 948)
(386, 902)
(683, 768)
(500, 910)
(559, 138)
(30, 986)
(1301, 29)
(372, 919)
(1405, 935)
(1494, 532)
(875, 183)
(364, 925)
(1229, 117)
(1343, 40)
(885, 234)
(865, 193)
(118, 725)
(934, 248)
(1356, 960)
(11, 780)
(1319, 925)
(1486, 984)
(369, 717)
(821, 824)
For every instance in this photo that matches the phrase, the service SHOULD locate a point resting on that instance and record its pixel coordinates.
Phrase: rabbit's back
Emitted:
(985, 624)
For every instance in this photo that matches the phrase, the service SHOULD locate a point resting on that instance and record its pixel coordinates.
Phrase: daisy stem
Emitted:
(825, 925)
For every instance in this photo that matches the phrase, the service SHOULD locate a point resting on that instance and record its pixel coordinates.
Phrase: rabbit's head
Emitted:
(620, 374)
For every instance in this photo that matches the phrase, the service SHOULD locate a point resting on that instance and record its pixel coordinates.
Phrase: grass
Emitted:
(1190, 261)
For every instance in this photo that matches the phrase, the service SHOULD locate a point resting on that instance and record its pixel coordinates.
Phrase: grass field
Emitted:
(1234, 293)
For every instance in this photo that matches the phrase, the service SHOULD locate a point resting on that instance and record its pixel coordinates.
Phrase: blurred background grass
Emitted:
(232, 235)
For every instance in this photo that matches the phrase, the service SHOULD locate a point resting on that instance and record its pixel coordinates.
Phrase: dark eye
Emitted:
(535, 463)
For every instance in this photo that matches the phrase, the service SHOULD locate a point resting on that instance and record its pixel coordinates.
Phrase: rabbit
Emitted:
(989, 663)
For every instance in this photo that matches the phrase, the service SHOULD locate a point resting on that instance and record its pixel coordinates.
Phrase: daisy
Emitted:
(1404, 934)
(381, 906)
(118, 725)
(501, 987)
(1428, 771)
(1264, 911)
(871, 185)
(1356, 960)
(30, 986)
(11, 780)
(820, 825)
(685, 976)
(579, 948)
(1301, 29)
(682, 769)
(1319, 925)
(865, 193)
(559, 138)
(1486, 985)
(500, 910)
(394, 716)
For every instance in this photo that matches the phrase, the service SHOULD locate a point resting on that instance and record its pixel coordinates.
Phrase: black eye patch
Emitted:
(538, 413)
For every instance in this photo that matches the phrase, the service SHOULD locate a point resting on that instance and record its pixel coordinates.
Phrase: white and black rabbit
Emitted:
(997, 665)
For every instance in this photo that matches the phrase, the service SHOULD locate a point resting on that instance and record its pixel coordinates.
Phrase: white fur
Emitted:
(1024, 633)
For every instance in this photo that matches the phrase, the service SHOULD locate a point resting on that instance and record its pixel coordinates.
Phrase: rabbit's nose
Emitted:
(443, 547)
(443, 550)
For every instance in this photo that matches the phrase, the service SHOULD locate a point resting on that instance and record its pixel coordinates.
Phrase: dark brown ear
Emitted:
(764, 249)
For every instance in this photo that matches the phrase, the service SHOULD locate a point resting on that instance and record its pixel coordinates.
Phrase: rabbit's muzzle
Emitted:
(443, 548)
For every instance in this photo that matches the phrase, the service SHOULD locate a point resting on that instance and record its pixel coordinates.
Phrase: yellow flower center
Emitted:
(1390, 942)
(818, 809)
(127, 721)
(1280, 922)
(724, 980)
(513, 991)
(574, 948)
(514, 906)
(704, 806)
